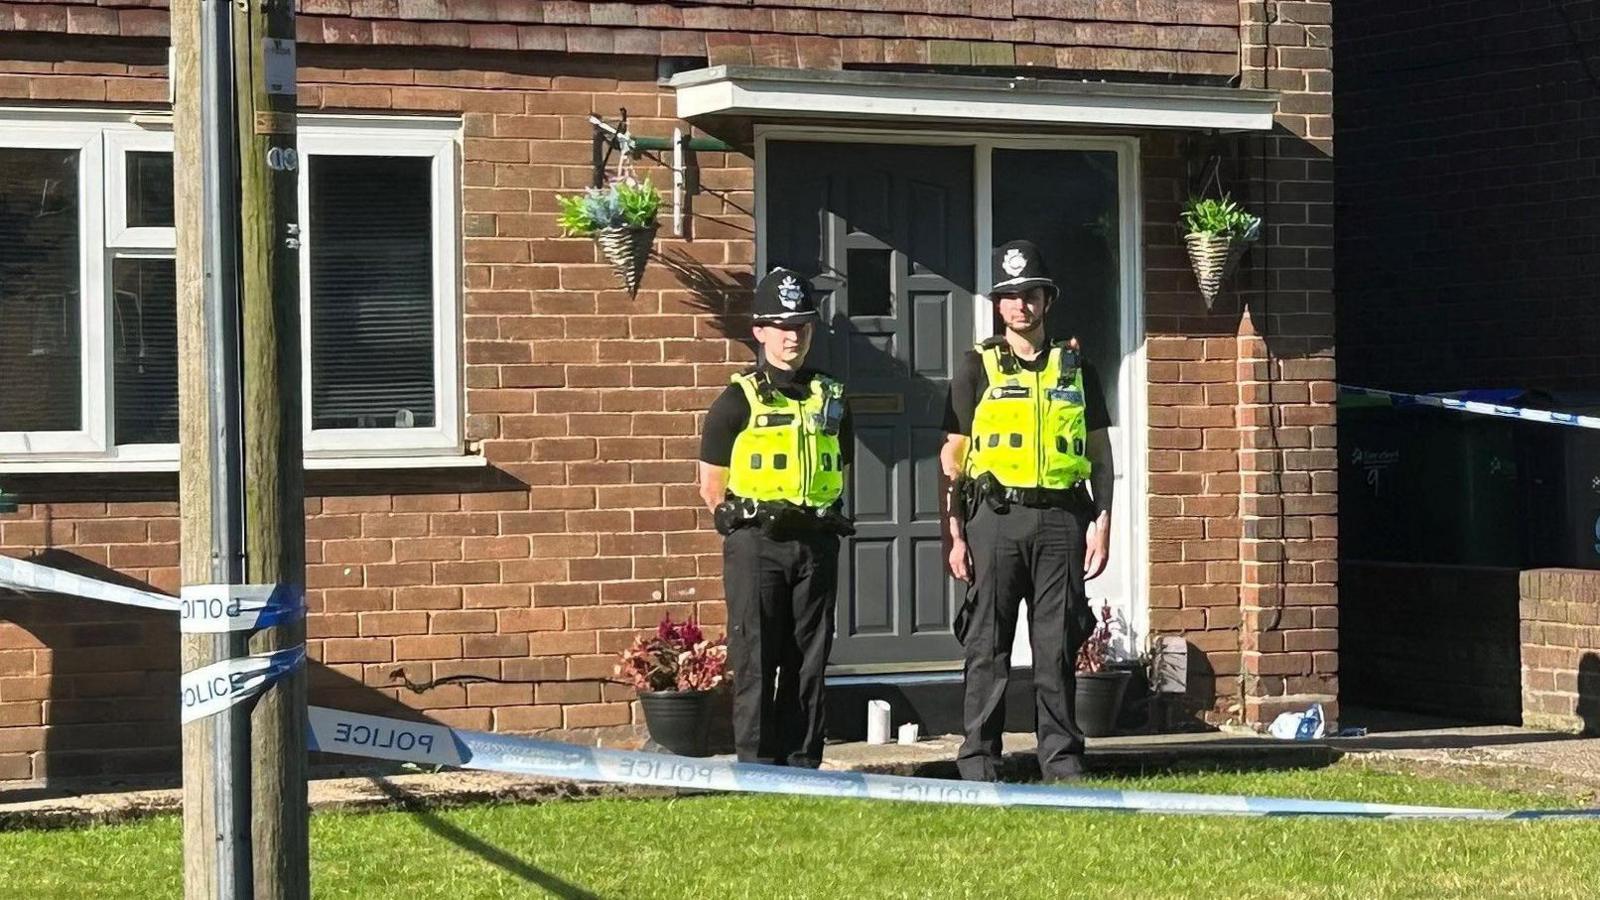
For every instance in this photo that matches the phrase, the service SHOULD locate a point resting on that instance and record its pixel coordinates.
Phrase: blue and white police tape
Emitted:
(1477, 407)
(20, 575)
(216, 608)
(429, 743)
(216, 687)
(211, 689)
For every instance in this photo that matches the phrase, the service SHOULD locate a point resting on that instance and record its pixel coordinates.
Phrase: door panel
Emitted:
(886, 232)
(1069, 206)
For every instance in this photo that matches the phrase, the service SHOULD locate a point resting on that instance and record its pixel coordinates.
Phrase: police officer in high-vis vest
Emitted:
(772, 463)
(1028, 513)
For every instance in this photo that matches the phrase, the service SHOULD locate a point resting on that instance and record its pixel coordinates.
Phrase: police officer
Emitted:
(1026, 436)
(772, 461)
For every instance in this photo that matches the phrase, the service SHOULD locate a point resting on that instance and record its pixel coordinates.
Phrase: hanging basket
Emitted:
(627, 248)
(1214, 257)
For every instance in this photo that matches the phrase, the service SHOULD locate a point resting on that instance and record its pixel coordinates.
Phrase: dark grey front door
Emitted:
(887, 232)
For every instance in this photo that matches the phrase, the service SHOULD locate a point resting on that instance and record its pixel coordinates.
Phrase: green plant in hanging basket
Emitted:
(1218, 232)
(621, 217)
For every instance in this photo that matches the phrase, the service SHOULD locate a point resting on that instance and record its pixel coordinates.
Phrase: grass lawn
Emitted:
(742, 846)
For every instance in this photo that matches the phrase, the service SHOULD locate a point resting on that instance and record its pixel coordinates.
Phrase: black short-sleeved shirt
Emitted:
(730, 414)
(971, 381)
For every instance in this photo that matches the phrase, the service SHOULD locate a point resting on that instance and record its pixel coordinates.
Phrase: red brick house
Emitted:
(501, 444)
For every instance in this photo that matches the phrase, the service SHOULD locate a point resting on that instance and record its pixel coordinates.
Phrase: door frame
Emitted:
(1132, 377)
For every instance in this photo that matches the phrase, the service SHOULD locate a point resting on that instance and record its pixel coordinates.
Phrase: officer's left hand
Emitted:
(1097, 547)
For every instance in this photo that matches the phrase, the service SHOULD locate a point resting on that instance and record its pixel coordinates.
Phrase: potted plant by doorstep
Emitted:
(1219, 232)
(1100, 685)
(675, 670)
(621, 217)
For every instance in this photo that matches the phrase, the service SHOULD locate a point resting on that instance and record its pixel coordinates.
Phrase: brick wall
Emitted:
(1561, 649)
(1432, 639)
(586, 528)
(1178, 37)
(1288, 457)
(1242, 446)
(1467, 186)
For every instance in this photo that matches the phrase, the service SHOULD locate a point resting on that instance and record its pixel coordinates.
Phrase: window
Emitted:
(870, 286)
(88, 299)
(47, 343)
(378, 290)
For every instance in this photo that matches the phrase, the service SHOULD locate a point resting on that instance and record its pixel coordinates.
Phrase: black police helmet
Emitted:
(784, 297)
(1018, 266)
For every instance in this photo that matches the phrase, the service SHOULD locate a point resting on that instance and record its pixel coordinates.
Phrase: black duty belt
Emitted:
(780, 518)
(988, 490)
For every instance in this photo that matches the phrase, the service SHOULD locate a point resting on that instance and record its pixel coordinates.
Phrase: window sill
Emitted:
(313, 464)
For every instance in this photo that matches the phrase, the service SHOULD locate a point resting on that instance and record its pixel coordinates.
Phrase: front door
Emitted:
(886, 231)
(1068, 204)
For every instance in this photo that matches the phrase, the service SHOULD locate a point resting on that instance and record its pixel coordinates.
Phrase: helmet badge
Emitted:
(790, 293)
(1014, 262)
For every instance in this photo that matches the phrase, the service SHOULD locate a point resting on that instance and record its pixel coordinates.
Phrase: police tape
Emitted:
(24, 576)
(219, 686)
(1477, 407)
(211, 689)
(430, 743)
(219, 608)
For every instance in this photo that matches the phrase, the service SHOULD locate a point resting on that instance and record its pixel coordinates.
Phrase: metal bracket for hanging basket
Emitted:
(1214, 258)
(608, 137)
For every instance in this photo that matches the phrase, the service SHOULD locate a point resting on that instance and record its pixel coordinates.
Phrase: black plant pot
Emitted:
(1099, 700)
(679, 721)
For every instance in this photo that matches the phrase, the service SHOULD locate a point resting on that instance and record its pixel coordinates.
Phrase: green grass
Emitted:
(741, 846)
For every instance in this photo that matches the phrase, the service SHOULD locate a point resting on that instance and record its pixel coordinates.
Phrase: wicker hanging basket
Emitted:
(627, 248)
(1214, 257)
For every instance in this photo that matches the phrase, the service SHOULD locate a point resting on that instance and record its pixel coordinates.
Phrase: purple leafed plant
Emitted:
(676, 658)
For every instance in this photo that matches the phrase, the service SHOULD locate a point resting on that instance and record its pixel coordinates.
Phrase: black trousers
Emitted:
(780, 629)
(1037, 554)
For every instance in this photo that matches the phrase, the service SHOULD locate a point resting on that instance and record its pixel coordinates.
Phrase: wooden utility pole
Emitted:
(274, 499)
(239, 392)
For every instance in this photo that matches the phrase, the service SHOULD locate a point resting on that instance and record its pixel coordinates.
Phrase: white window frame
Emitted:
(102, 140)
(119, 144)
(90, 437)
(361, 138)
(122, 242)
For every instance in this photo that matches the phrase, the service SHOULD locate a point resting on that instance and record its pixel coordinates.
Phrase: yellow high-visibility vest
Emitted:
(790, 448)
(1029, 427)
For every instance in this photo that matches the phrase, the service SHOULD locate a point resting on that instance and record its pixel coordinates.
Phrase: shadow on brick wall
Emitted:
(722, 295)
(106, 681)
(1588, 708)
(1286, 282)
(106, 678)
(725, 299)
(1199, 698)
(399, 482)
(1431, 639)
